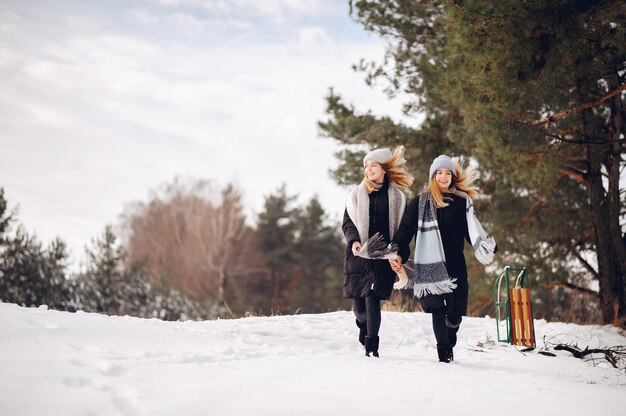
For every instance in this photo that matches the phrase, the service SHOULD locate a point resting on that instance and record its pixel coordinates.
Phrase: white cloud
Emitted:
(188, 23)
(274, 9)
(313, 36)
(105, 118)
(142, 17)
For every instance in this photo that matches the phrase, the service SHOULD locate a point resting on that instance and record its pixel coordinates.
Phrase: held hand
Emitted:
(356, 247)
(396, 264)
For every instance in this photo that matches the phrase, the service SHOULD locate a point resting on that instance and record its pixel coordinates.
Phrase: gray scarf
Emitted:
(431, 275)
(358, 206)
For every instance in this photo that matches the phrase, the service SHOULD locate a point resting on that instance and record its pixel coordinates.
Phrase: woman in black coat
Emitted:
(446, 219)
(375, 206)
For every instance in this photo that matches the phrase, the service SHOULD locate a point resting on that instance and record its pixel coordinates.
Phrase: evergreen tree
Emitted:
(29, 274)
(277, 227)
(102, 287)
(541, 94)
(32, 276)
(107, 286)
(5, 217)
(303, 252)
(534, 92)
(359, 133)
(320, 261)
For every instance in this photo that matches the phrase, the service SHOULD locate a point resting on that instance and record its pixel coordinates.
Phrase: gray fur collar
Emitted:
(358, 206)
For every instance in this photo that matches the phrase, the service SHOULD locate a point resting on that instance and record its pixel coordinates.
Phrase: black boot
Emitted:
(371, 345)
(362, 331)
(445, 353)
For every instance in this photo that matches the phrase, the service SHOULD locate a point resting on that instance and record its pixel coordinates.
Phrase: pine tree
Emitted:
(109, 286)
(102, 287)
(5, 217)
(29, 274)
(276, 226)
(542, 94)
(533, 91)
(320, 261)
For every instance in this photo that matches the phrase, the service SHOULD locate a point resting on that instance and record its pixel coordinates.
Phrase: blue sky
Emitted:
(102, 102)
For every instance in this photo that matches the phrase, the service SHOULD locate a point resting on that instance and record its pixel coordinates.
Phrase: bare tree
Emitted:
(194, 236)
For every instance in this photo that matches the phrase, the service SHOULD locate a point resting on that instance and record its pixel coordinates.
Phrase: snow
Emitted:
(60, 363)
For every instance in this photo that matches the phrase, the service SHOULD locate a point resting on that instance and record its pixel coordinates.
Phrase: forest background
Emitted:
(532, 93)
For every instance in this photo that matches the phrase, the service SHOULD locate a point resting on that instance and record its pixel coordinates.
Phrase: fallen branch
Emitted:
(616, 355)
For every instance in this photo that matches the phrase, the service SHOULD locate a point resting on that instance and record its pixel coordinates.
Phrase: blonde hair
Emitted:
(463, 178)
(394, 171)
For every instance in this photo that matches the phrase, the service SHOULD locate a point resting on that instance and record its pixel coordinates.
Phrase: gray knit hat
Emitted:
(379, 155)
(441, 162)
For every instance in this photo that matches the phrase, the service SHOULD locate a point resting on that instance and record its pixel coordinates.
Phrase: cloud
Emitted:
(107, 115)
(188, 23)
(142, 17)
(313, 36)
(274, 9)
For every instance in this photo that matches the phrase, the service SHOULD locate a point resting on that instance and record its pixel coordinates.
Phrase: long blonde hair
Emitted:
(395, 171)
(463, 178)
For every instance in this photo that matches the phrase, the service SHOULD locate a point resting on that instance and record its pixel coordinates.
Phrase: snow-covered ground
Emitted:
(59, 363)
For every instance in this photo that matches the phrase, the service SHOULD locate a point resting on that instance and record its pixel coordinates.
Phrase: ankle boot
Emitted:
(445, 353)
(362, 331)
(371, 345)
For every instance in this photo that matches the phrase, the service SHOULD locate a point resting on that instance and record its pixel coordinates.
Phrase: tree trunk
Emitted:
(614, 205)
(291, 287)
(221, 283)
(607, 262)
(275, 291)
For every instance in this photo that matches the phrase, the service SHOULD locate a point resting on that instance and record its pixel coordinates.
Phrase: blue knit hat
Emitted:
(441, 162)
(379, 155)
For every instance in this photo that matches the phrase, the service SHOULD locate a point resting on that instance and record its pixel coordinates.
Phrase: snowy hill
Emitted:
(58, 363)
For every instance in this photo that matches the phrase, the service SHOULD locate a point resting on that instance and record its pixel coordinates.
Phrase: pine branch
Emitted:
(591, 140)
(574, 109)
(572, 286)
(586, 265)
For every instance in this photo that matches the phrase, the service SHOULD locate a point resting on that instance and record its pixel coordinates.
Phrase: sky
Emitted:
(84, 364)
(102, 102)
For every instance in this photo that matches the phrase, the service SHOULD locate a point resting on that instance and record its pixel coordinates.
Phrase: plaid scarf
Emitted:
(431, 275)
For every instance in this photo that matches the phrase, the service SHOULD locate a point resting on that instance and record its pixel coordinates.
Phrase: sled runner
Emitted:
(514, 313)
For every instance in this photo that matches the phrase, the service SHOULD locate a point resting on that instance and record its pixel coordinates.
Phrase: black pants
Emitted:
(368, 309)
(448, 311)
(445, 326)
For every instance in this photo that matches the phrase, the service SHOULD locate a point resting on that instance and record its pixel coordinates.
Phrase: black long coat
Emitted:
(364, 276)
(452, 222)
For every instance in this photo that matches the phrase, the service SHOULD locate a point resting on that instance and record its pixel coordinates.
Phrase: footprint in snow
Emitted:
(43, 324)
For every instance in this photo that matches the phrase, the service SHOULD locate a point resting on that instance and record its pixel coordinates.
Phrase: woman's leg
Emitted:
(360, 309)
(453, 321)
(439, 327)
(444, 348)
(372, 303)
